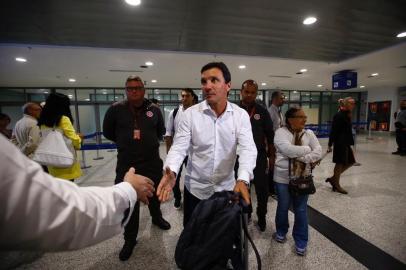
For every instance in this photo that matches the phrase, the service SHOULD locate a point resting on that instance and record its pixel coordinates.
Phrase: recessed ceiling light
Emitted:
(374, 74)
(21, 59)
(319, 85)
(87, 99)
(309, 20)
(149, 63)
(263, 84)
(400, 35)
(362, 86)
(303, 70)
(154, 81)
(133, 2)
(241, 66)
(72, 80)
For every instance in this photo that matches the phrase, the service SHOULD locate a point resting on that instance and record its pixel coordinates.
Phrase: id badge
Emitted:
(137, 134)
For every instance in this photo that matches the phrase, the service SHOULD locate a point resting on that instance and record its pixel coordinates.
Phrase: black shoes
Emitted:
(161, 223)
(127, 250)
(262, 223)
(177, 204)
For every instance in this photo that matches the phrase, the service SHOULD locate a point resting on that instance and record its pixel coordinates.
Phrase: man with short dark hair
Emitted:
(212, 134)
(187, 99)
(136, 125)
(262, 130)
(26, 131)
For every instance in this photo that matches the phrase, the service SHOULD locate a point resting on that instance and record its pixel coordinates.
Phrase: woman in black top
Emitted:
(342, 139)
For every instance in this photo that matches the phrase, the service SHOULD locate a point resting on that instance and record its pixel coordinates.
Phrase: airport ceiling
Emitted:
(273, 28)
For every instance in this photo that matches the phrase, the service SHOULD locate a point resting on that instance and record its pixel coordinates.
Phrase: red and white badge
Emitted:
(149, 114)
(257, 116)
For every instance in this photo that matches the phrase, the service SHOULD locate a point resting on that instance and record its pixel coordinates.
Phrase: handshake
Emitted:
(142, 185)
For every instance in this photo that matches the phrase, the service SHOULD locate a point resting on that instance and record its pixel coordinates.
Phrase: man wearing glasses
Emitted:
(136, 125)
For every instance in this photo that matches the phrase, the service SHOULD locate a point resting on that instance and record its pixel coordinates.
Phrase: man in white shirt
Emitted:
(275, 111)
(187, 99)
(40, 212)
(26, 132)
(212, 133)
(277, 100)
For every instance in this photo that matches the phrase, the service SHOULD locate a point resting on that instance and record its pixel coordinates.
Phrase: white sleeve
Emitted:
(38, 211)
(181, 143)
(283, 145)
(315, 146)
(246, 150)
(170, 125)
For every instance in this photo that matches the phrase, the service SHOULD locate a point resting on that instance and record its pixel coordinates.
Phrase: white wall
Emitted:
(384, 94)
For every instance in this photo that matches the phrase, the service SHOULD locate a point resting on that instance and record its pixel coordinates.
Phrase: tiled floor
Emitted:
(374, 209)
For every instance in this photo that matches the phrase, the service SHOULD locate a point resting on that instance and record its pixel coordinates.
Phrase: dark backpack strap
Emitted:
(175, 111)
(244, 225)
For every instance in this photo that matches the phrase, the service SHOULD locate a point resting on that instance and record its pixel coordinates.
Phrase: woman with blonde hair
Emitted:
(342, 140)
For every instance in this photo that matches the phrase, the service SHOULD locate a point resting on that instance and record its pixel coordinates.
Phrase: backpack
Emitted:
(175, 111)
(213, 234)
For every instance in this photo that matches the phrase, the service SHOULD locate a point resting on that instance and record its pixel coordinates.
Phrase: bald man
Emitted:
(26, 132)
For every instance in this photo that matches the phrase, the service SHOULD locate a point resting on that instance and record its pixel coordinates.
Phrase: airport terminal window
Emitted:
(12, 95)
(119, 94)
(85, 95)
(104, 95)
(37, 95)
(69, 92)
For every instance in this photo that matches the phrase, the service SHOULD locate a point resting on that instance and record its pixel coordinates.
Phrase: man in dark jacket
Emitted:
(262, 131)
(136, 125)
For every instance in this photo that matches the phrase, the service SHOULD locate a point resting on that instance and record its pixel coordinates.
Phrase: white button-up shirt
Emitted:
(40, 212)
(26, 134)
(212, 144)
(172, 124)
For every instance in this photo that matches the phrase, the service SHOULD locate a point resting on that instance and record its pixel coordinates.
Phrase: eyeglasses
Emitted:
(300, 117)
(136, 88)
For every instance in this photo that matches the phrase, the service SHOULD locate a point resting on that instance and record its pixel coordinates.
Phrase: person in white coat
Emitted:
(41, 212)
(300, 146)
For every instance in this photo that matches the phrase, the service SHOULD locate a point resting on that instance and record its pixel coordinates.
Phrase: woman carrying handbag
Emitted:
(56, 114)
(297, 150)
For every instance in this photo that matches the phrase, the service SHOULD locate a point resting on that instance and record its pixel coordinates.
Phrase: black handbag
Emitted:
(302, 185)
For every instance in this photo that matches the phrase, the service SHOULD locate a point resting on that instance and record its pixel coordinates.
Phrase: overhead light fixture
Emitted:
(70, 96)
(154, 81)
(149, 63)
(241, 66)
(303, 70)
(72, 80)
(46, 92)
(263, 84)
(295, 92)
(374, 74)
(309, 20)
(362, 86)
(87, 99)
(319, 85)
(133, 2)
(21, 59)
(400, 35)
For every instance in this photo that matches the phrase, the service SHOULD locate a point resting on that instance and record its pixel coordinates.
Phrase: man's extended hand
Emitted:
(166, 185)
(142, 185)
(241, 187)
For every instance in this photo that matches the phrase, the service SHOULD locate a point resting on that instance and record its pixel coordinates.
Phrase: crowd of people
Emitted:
(223, 146)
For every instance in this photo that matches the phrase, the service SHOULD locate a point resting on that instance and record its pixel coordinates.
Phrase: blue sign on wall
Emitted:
(344, 80)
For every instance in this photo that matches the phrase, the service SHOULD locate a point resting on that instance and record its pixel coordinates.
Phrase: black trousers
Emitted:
(401, 140)
(176, 189)
(189, 204)
(261, 183)
(131, 229)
